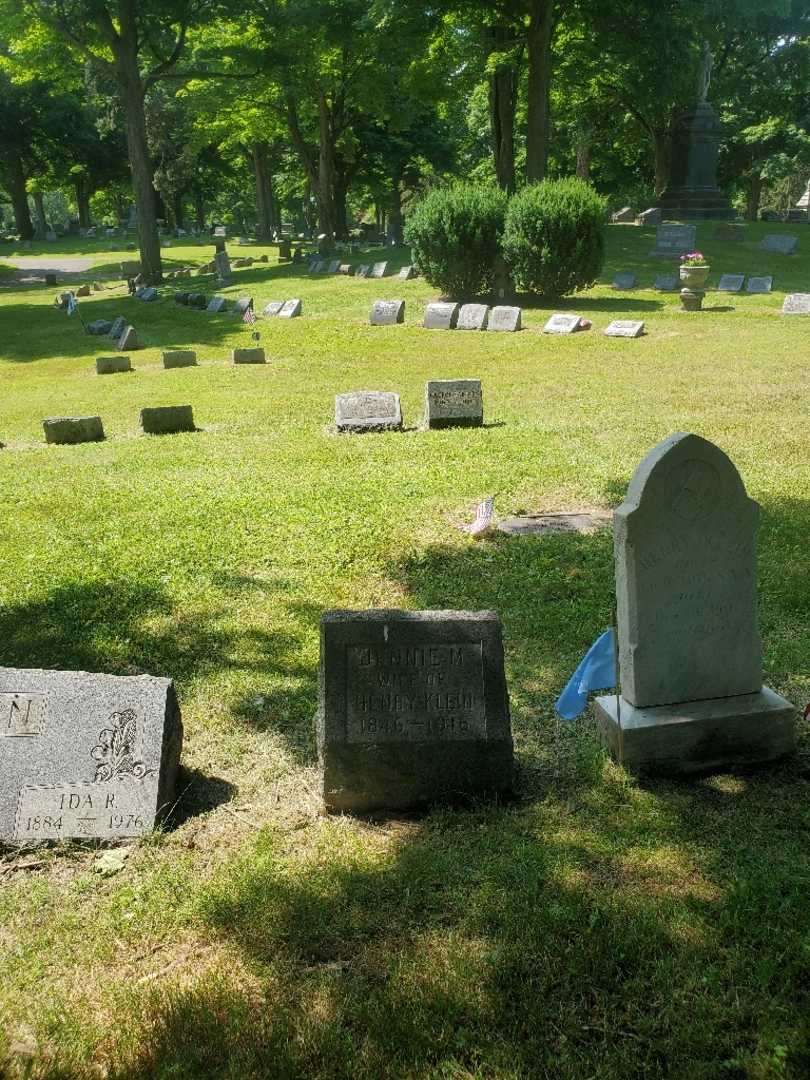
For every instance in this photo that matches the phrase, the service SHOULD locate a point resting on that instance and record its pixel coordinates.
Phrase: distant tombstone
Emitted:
(273, 308)
(413, 708)
(128, 339)
(50, 279)
(781, 243)
(333, 266)
(473, 317)
(317, 266)
(284, 251)
(290, 309)
(67, 430)
(563, 324)
(179, 358)
(653, 216)
(181, 298)
(198, 300)
(631, 328)
(453, 403)
(167, 419)
(759, 284)
(220, 230)
(624, 280)
(217, 304)
(98, 287)
(148, 294)
(99, 326)
(387, 312)
(248, 356)
(405, 274)
(346, 269)
(51, 236)
(363, 270)
(504, 318)
(674, 240)
(112, 365)
(130, 269)
(378, 270)
(626, 214)
(222, 267)
(242, 304)
(729, 231)
(731, 283)
(796, 304)
(85, 756)
(368, 410)
(440, 316)
(83, 290)
(666, 283)
(690, 654)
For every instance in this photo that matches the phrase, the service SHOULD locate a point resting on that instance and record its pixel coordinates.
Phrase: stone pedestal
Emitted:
(692, 191)
(692, 299)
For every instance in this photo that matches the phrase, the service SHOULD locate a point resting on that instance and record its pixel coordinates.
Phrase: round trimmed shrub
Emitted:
(553, 239)
(455, 235)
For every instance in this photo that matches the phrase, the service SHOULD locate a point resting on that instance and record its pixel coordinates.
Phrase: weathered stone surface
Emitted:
(242, 304)
(217, 304)
(504, 318)
(781, 243)
(181, 298)
(85, 755)
(441, 316)
(624, 280)
(333, 266)
(222, 268)
(248, 356)
(631, 328)
(387, 312)
(112, 365)
(65, 430)
(666, 283)
(453, 403)
(290, 309)
(177, 358)
(167, 419)
(368, 410)
(413, 708)
(378, 270)
(130, 269)
(83, 290)
(346, 269)
(117, 328)
(796, 304)
(473, 317)
(128, 339)
(406, 273)
(363, 270)
(731, 283)
(273, 308)
(759, 285)
(626, 214)
(99, 326)
(729, 231)
(562, 324)
(674, 239)
(653, 216)
(198, 301)
(148, 294)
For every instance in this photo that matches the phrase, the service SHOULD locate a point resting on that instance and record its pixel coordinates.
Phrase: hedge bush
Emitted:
(455, 235)
(553, 239)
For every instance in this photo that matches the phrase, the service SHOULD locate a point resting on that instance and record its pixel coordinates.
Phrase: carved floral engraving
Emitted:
(115, 752)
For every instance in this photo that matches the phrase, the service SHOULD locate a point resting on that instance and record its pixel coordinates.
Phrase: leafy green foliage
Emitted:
(553, 240)
(455, 236)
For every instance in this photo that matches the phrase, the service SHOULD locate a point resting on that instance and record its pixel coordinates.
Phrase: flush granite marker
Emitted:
(413, 708)
(85, 756)
(368, 410)
(690, 653)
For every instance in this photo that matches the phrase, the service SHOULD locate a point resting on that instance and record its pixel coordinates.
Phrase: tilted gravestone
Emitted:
(167, 419)
(453, 403)
(363, 270)
(248, 356)
(624, 280)
(112, 365)
(148, 294)
(68, 430)
(674, 240)
(796, 304)
(99, 326)
(368, 410)
(690, 655)
(626, 214)
(117, 328)
(731, 283)
(759, 285)
(317, 266)
(653, 216)
(130, 269)
(413, 708)
(333, 267)
(290, 309)
(563, 324)
(666, 283)
(179, 358)
(406, 273)
(387, 312)
(242, 304)
(273, 308)
(631, 328)
(473, 317)
(128, 339)
(346, 269)
(781, 243)
(84, 755)
(504, 318)
(378, 270)
(440, 316)
(217, 304)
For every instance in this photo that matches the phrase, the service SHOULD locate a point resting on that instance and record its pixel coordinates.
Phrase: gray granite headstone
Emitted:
(363, 270)
(453, 403)
(112, 365)
(378, 270)
(731, 283)
(290, 309)
(631, 328)
(248, 356)
(562, 324)
(473, 317)
(653, 216)
(273, 308)
(67, 430)
(333, 267)
(781, 243)
(217, 304)
(179, 358)
(167, 419)
(222, 265)
(505, 318)
(674, 239)
(387, 312)
(797, 303)
(626, 214)
(440, 316)
(413, 708)
(729, 231)
(406, 273)
(148, 294)
(624, 280)
(117, 328)
(242, 304)
(368, 410)
(85, 756)
(759, 285)
(99, 326)
(128, 339)
(690, 656)
(666, 283)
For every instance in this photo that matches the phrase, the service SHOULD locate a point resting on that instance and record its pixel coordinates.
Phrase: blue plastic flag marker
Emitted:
(596, 671)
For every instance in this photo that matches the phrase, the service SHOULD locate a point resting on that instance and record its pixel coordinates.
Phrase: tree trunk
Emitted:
(19, 199)
(264, 193)
(81, 189)
(177, 209)
(583, 148)
(395, 213)
(661, 141)
(538, 39)
(753, 196)
(40, 224)
(199, 210)
(339, 194)
(503, 88)
(324, 193)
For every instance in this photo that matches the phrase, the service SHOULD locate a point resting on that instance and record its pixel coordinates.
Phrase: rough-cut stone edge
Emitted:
(163, 410)
(52, 424)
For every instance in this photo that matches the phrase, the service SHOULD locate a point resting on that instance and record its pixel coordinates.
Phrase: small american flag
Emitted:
(71, 304)
(483, 517)
(249, 317)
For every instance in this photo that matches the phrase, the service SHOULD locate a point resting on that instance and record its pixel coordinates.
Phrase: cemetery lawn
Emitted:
(597, 926)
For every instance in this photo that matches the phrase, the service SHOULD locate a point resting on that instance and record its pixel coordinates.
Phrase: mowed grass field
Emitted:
(597, 927)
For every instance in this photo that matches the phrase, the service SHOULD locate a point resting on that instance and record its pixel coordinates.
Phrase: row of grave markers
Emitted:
(364, 270)
(448, 315)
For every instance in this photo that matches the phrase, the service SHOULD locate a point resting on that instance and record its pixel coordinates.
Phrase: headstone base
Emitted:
(698, 736)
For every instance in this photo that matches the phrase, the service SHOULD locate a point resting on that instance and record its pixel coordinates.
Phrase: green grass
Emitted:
(598, 927)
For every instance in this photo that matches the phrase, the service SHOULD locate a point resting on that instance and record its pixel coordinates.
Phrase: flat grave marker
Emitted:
(624, 280)
(780, 243)
(504, 318)
(440, 316)
(290, 309)
(453, 403)
(473, 317)
(273, 308)
(378, 270)
(368, 410)
(731, 283)
(629, 328)
(563, 324)
(387, 312)
(796, 304)
(759, 284)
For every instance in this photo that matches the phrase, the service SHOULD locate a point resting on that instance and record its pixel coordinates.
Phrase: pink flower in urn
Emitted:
(694, 258)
